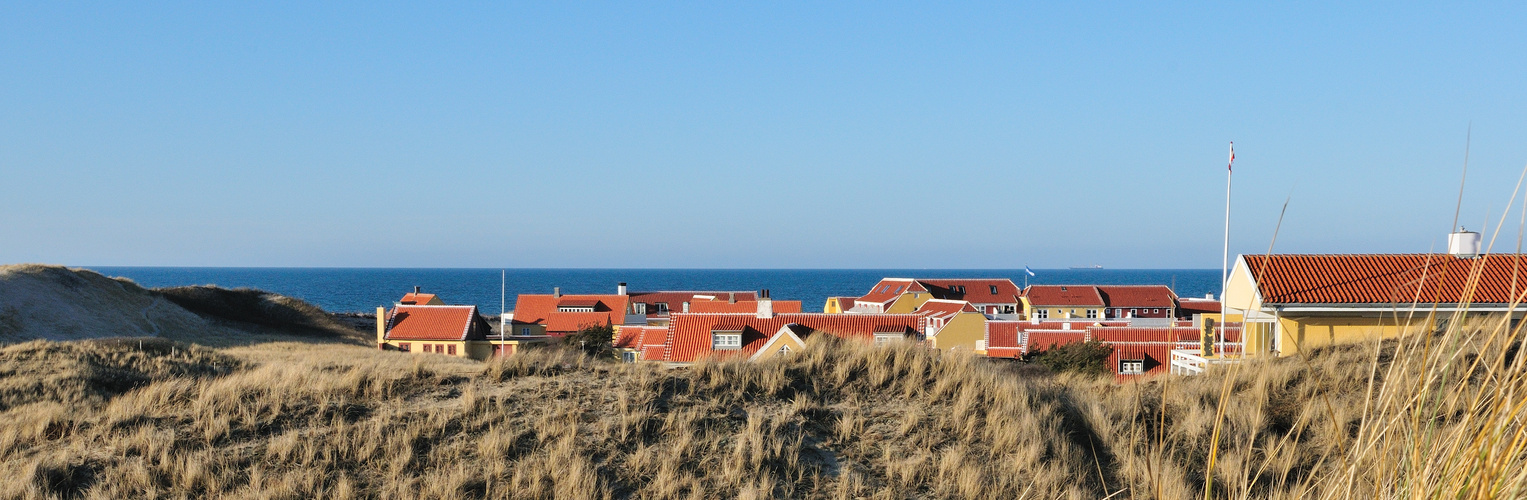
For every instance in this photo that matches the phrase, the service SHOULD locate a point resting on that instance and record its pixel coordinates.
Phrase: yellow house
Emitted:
(838, 305)
(434, 329)
(1059, 302)
(1291, 303)
(953, 324)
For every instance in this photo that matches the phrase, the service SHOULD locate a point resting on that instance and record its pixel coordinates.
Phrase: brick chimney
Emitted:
(765, 305)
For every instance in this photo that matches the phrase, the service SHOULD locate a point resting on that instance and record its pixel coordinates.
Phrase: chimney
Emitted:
(381, 327)
(556, 291)
(1463, 244)
(620, 289)
(686, 306)
(765, 305)
(731, 298)
(416, 289)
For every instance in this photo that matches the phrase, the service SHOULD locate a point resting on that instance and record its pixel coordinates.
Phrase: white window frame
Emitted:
(1131, 367)
(725, 341)
(887, 338)
(1092, 314)
(1042, 314)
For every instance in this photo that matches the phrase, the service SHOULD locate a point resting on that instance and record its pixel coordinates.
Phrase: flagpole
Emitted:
(1225, 258)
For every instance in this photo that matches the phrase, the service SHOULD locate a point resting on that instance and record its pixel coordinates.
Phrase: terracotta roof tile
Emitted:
(975, 291)
(542, 310)
(750, 306)
(1386, 278)
(421, 322)
(1064, 295)
(412, 298)
(1158, 296)
(689, 335)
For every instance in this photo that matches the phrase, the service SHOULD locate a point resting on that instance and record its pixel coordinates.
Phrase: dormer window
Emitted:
(726, 340)
(575, 309)
(994, 289)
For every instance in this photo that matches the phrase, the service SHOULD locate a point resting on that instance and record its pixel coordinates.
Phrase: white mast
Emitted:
(503, 301)
(1224, 278)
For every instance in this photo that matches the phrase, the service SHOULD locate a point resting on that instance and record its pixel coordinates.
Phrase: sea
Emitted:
(364, 289)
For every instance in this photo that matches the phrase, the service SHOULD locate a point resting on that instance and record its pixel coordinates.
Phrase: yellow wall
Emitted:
(962, 332)
(1029, 311)
(772, 349)
(832, 306)
(1305, 333)
(908, 302)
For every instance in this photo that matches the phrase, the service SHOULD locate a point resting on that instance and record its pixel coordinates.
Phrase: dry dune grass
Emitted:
(1436, 415)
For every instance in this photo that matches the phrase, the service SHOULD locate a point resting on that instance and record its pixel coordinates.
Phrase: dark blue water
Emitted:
(362, 290)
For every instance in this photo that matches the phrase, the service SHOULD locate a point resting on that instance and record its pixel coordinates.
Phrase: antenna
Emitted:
(1467, 138)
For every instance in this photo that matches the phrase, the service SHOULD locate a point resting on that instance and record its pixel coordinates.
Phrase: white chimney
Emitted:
(620, 289)
(1463, 244)
(765, 305)
(556, 291)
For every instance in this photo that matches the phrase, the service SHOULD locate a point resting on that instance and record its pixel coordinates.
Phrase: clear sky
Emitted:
(779, 134)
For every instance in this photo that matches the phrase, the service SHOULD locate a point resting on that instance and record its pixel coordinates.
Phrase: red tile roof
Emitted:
(845, 303)
(1386, 279)
(674, 300)
(421, 322)
(1188, 307)
(1064, 295)
(1157, 296)
(722, 306)
(562, 323)
(636, 337)
(689, 335)
(976, 291)
(542, 310)
(412, 298)
(945, 308)
(1002, 339)
(887, 289)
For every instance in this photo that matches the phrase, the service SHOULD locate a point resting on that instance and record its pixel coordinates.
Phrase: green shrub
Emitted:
(1086, 357)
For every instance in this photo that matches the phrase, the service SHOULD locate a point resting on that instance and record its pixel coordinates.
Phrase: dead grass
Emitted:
(298, 420)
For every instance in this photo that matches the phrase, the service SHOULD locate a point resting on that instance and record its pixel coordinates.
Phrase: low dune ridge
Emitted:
(58, 303)
(45, 302)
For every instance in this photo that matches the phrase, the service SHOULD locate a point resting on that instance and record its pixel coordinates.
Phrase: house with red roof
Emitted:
(1055, 302)
(1134, 350)
(764, 332)
(420, 325)
(558, 315)
(1294, 302)
(995, 297)
(1138, 301)
(952, 324)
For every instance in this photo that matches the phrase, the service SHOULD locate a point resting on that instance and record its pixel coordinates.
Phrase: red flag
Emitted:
(1231, 166)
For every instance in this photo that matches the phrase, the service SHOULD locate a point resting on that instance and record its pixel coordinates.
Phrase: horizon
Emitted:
(848, 136)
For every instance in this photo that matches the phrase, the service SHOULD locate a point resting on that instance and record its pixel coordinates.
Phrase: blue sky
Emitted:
(793, 135)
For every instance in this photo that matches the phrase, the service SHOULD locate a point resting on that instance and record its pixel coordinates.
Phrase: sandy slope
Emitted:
(58, 303)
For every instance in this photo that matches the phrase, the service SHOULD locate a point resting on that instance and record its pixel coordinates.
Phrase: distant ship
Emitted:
(1094, 266)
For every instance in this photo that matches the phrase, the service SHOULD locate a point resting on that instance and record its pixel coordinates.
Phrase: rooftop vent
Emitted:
(1463, 244)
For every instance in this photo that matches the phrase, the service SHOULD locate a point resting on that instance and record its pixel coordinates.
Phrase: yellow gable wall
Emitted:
(908, 302)
(832, 306)
(962, 332)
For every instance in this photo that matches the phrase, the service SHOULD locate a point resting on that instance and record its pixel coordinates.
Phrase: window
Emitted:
(638, 308)
(1092, 313)
(403, 346)
(1042, 313)
(1155, 311)
(629, 357)
(994, 289)
(662, 307)
(525, 331)
(1131, 366)
(899, 288)
(784, 349)
(886, 338)
(726, 341)
(439, 348)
